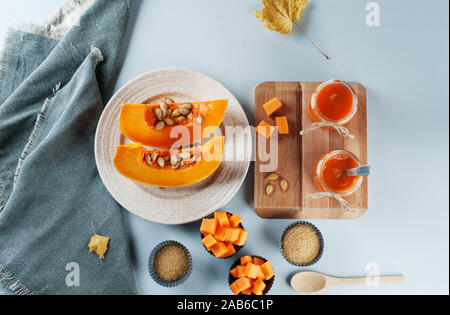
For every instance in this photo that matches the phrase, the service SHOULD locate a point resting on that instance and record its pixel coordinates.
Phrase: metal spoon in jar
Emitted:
(312, 282)
(359, 171)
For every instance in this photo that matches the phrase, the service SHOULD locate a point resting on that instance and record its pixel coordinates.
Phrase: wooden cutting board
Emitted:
(297, 155)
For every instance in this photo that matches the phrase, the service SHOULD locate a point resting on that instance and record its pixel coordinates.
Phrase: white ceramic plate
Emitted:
(167, 205)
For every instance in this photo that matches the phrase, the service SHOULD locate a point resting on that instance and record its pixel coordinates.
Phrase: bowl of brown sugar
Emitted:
(302, 244)
(170, 264)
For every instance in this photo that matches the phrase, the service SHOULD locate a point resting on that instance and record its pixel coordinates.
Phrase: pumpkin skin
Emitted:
(135, 124)
(130, 162)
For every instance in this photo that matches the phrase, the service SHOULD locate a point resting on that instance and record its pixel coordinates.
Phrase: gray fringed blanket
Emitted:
(52, 79)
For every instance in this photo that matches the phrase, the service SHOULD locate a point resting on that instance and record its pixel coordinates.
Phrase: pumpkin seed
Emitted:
(161, 162)
(169, 121)
(160, 125)
(159, 114)
(190, 116)
(169, 100)
(148, 159)
(169, 112)
(273, 177)
(154, 155)
(269, 190)
(185, 155)
(174, 159)
(175, 113)
(284, 185)
(166, 158)
(186, 106)
(180, 119)
(184, 111)
(199, 120)
(182, 163)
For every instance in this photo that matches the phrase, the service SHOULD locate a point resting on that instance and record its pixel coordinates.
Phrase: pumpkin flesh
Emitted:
(137, 122)
(130, 162)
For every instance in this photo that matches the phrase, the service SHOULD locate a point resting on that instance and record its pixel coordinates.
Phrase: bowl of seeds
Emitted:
(302, 244)
(170, 264)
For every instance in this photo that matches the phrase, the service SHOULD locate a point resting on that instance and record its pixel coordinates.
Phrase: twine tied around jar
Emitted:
(342, 202)
(340, 129)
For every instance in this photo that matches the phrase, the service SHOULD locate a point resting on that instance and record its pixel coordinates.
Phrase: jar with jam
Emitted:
(330, 173)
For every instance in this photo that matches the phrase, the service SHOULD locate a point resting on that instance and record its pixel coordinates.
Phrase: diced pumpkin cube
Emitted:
(258, 287)
(242, 238)
(258, 261)
(243, 284)
(283, 125)
(272, 106)
(260, 274)
(231, 250)
(222, 219)
(234, 287)
(267, 269)
(209, 226)
(235, 220)
(234, 272)
(251, 270)
(232, 234)
(245, 260)
(220, 234)
(265, 129)
(247, 292)
(240, 271)
(220, 250)
(209, 241)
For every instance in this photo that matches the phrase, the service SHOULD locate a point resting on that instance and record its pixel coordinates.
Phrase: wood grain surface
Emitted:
(297, 155)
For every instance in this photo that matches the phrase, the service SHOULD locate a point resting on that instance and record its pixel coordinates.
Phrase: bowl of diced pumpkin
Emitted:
(251, 275)
(223, 234)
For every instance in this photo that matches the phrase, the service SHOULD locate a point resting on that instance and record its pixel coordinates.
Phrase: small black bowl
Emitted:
(238, 248)
(154, 274)
(322, 243)
(231, 279)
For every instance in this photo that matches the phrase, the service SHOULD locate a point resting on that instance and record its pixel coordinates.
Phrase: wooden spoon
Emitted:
(312, 282)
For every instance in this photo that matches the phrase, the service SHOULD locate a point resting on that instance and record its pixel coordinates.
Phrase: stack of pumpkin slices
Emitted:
(153, 126)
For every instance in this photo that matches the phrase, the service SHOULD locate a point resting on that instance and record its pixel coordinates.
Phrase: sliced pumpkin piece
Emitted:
(139, 123)
(138, 164)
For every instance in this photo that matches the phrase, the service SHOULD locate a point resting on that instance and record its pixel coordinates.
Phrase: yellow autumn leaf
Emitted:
(99, 245)
(281, 14)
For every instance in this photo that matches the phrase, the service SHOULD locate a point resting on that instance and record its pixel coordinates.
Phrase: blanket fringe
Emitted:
(9, 282)
(3, 198)
(62, 21)
(35, 133)
(57, 27)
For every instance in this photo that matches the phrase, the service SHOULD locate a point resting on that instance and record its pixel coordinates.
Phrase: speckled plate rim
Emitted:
(156, 204)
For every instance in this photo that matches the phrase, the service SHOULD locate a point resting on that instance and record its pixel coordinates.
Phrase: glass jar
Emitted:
(330, 173)
(333, 101)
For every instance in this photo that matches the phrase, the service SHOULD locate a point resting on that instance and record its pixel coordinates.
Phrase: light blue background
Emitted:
(404, 65)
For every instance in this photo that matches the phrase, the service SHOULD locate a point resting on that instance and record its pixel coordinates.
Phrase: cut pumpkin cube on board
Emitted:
(283, 125)
(140, 122)
(272, 106)
(265, 129)
(136, 163)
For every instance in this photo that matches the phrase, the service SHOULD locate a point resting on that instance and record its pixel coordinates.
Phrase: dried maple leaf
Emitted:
(98, 244)
(281, 15)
